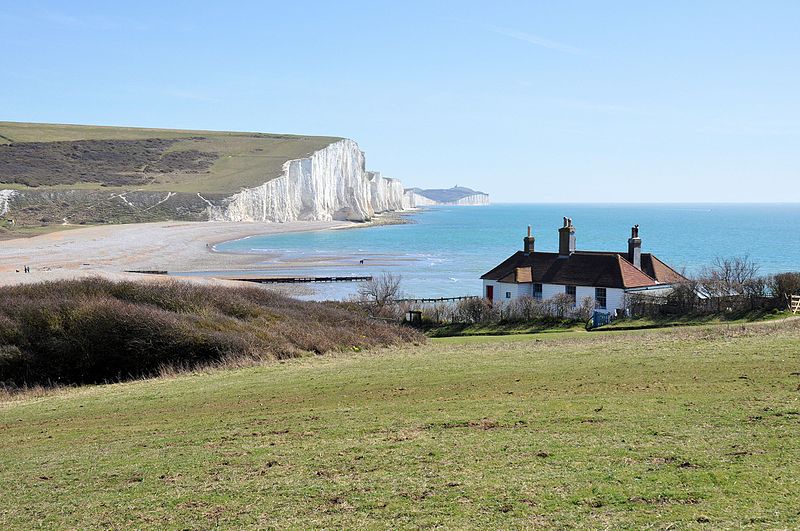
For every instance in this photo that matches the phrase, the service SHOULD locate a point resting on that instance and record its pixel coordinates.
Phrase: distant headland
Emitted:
(457, 195)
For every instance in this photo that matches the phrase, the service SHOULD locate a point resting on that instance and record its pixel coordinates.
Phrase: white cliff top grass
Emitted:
(243, 159)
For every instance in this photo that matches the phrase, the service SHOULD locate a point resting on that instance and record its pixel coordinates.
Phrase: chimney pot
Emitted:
(566, 238)
(528, 242)
(635, 248)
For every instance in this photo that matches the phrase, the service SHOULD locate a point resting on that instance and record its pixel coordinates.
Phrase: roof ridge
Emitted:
(582, 251)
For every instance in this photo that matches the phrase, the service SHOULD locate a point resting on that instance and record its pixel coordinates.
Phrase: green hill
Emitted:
(667, 429)
(91, 156)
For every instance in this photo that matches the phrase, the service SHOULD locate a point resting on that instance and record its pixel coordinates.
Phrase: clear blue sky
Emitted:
(529, 101)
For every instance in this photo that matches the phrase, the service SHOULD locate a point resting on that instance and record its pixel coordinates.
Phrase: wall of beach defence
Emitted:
(331, 184)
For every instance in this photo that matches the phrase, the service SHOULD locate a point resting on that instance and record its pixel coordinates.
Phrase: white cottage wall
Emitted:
(615, 297)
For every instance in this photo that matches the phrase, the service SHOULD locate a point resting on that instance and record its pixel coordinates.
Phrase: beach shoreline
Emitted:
(112, 251)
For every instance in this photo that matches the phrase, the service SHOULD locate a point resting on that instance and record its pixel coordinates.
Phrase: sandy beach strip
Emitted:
(110, 250)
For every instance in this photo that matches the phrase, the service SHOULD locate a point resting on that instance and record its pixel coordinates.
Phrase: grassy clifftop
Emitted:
(170, 160)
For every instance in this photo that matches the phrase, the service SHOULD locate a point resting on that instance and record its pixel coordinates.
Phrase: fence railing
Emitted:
(438, 299)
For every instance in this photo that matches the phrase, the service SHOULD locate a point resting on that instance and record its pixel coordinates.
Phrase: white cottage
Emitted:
(603, 276)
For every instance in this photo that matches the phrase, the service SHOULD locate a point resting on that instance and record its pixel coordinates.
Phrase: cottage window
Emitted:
(508, 294)
(600, 298)
(570, 291)
(537, 291)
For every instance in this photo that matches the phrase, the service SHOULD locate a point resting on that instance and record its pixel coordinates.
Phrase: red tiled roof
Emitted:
(582, 268)
(659, 270)
(632, 277)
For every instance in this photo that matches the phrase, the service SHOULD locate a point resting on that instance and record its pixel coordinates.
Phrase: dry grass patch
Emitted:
(93, 331)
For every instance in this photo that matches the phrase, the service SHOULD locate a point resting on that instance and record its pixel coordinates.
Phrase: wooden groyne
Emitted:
(268, 280)
(293, 280)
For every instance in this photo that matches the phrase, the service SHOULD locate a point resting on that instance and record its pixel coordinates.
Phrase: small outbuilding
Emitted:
(604, 276)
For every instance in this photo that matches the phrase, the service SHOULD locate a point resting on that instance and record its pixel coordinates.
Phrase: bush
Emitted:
(526, 309)
(585, 311)
(476, 310)
(784, 285)
(90, 331)
(381, 292)
(561, 305)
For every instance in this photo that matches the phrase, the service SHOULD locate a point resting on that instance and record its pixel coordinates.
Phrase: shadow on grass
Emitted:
(640, 323)
(571, 325)
(501, 329)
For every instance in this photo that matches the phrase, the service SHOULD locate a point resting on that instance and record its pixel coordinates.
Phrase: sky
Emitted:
(531, 101)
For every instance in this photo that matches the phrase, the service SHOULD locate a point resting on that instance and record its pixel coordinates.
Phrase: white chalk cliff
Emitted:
(418, 200)
(5, 198)
(330, 184)
(474, 199)
(458, 195)
(386, 193)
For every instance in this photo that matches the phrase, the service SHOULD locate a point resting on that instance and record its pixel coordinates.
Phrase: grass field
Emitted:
(682, 428)
(244, 159)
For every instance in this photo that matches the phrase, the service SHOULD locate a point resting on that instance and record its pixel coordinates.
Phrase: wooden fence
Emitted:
(439, 299)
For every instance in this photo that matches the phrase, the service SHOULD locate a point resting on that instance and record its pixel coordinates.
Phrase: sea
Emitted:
(443, 251)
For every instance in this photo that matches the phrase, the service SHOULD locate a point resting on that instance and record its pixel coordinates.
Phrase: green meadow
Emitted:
(694, 427)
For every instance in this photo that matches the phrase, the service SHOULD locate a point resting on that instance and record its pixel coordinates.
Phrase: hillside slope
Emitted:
(94, 330)
(658, 429)
(232, 160)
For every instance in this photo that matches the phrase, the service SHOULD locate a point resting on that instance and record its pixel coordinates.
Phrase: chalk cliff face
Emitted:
(386, 193)
(418, 200)
(458, 195)
(330, 184)
(475, 199)
(5, 198)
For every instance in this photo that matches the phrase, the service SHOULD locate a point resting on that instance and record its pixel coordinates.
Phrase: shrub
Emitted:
(784, 285)
(381, 291)
(585, 310)
(476, 310)
(526, 309)
(561, 305)
(94, 330)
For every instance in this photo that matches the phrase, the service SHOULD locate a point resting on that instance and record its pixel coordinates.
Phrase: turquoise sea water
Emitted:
(445, 251)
